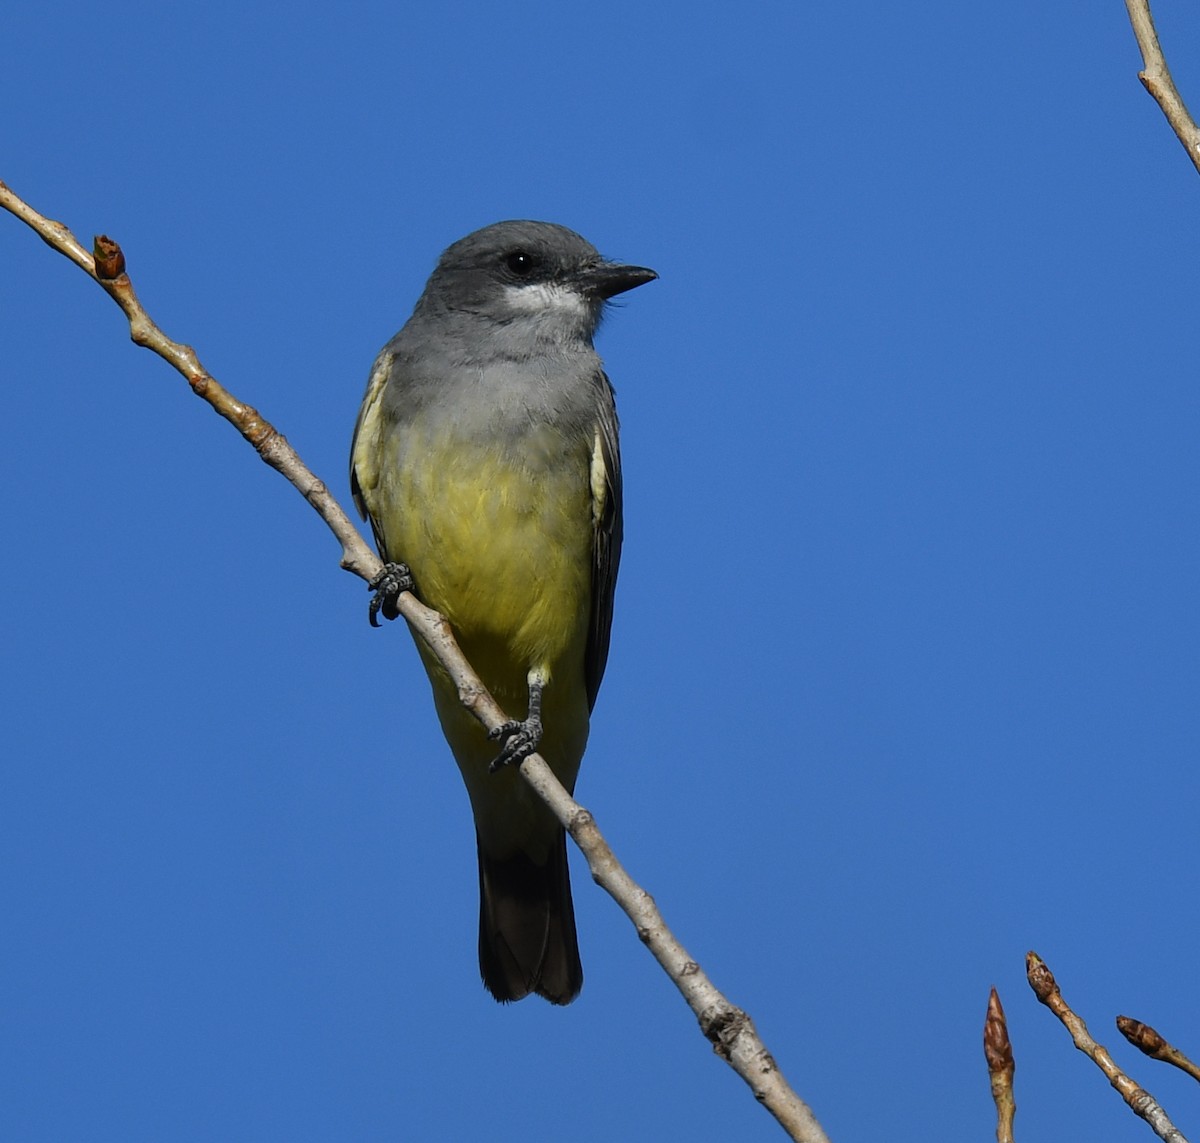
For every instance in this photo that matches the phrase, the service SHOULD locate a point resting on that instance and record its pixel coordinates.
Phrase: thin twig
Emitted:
(997, 1050)
(1046, 989)
(730, 1029)
(1156, 79)
(1147, 1040)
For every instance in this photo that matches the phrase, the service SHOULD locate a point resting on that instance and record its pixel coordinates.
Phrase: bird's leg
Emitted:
(387, 586)
(520, 739)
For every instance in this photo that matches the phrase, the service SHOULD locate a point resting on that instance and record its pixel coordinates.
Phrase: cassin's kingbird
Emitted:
(485, 456)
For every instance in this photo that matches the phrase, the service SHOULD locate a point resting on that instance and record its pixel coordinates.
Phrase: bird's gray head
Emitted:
(535, 278)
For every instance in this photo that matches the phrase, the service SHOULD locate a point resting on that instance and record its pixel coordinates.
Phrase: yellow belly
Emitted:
(503, 549)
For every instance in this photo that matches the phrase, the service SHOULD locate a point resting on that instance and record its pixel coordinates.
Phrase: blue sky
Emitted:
(904, 673)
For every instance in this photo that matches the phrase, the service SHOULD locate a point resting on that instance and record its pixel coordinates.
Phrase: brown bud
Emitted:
(1142, 1036)
(997, 1048)
(1041, 979)
(109, 258)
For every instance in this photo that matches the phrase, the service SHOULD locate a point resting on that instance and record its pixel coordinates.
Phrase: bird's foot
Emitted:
(518, 740)
(387, 586)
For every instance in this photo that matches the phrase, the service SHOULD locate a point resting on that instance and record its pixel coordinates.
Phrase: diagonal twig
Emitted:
(1147, 1040)
(1156, 79)
(1046, 989)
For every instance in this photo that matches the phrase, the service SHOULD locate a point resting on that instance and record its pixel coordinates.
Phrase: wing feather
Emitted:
(607, 533)
(365, 450)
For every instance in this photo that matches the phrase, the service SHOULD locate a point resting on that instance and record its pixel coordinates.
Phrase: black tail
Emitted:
(527, 939)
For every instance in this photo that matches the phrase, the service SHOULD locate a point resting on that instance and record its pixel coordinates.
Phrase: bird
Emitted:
(485, 457)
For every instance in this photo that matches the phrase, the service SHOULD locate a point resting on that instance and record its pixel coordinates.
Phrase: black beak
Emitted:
(608, 279)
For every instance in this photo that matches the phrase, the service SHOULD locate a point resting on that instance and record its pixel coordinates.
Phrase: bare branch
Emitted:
(997, 1049)
(1045, 988)
(1147, 1040)
(1156, 79)
(730, 1029)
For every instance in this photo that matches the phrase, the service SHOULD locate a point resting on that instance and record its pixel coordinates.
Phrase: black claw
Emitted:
(387, 586)
(519, 739)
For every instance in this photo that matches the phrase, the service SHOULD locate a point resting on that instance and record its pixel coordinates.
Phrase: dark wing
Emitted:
(607, 532)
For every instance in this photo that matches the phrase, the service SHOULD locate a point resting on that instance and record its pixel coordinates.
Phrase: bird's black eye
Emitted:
(521, 262)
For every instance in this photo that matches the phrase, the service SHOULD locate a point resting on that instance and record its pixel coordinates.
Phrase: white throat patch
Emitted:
(547, 298)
